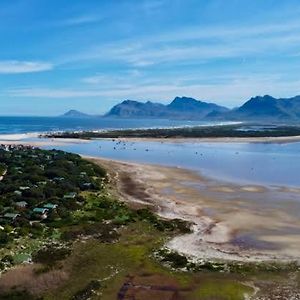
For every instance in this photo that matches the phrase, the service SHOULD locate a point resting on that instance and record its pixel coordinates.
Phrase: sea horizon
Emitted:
(38, 124)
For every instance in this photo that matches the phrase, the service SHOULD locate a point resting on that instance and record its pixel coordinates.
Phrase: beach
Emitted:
(32, 139)
(37, 140)
(232, 231)
(280, 139)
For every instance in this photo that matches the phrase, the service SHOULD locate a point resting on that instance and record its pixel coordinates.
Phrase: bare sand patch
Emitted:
(223, 189)
(253, 189)
(41, 142)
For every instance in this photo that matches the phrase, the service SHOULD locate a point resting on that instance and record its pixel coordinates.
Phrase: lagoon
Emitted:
(271, 164)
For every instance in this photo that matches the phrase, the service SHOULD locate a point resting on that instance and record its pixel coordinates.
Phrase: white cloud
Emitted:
(18, 67)
(229, 32)
(117, 79)
(97, 79)
(232, 92)
(198, 45)
(143, 56)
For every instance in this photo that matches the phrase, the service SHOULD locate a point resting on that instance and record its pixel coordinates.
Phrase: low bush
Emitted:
(173, 259)
(50, 255)
(88, 291)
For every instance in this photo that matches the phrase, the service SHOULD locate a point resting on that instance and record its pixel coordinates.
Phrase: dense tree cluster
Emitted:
(41, 186)
(221, 131)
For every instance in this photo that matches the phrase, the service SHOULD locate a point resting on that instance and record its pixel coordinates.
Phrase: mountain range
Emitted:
(179, 108)
(259, 108)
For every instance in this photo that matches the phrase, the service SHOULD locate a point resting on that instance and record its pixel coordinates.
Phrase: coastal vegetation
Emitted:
(218, 131)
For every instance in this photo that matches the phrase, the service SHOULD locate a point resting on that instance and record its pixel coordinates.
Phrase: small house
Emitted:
(50, 206)
(18, 193)
(21, 204)
(24, 188)
(42, 182)
(58, 178)
(70, 195)
(11, 216)
(41, 212)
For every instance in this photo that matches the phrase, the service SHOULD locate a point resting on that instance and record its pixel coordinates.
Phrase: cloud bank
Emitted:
(19, 67)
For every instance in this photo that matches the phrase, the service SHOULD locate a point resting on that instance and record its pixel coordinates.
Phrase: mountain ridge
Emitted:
(268, 108)
(258, 108)
(179, 108)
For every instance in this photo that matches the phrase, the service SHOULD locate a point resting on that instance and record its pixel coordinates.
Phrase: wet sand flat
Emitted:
(230, 222)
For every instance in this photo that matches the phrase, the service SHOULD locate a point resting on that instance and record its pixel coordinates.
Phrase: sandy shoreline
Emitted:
(41, 142)
(33, 139)
(282, 139)
(164, 189)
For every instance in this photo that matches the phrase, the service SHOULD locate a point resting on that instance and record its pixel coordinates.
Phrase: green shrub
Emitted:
(88, 291)
(172, 258)
(18, 295)
(50, 255)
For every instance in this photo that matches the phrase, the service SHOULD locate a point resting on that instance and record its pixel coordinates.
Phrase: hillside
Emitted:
(135, 109)
(265, 108)
(179, 108)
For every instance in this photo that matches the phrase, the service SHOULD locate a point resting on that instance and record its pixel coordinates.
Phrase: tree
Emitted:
(4, 238)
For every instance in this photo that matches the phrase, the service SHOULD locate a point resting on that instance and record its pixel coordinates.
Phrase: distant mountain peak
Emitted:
(184, 98)
(268, 108)
(263, 98)
(191, 104)
(128, 101)
(75, 114)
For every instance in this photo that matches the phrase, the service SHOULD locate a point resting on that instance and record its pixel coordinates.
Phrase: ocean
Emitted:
(17, 125)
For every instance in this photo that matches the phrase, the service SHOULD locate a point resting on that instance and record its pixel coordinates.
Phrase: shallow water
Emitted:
(271, 164)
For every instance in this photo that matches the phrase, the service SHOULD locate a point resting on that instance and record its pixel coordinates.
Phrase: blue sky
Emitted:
(88, 55)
